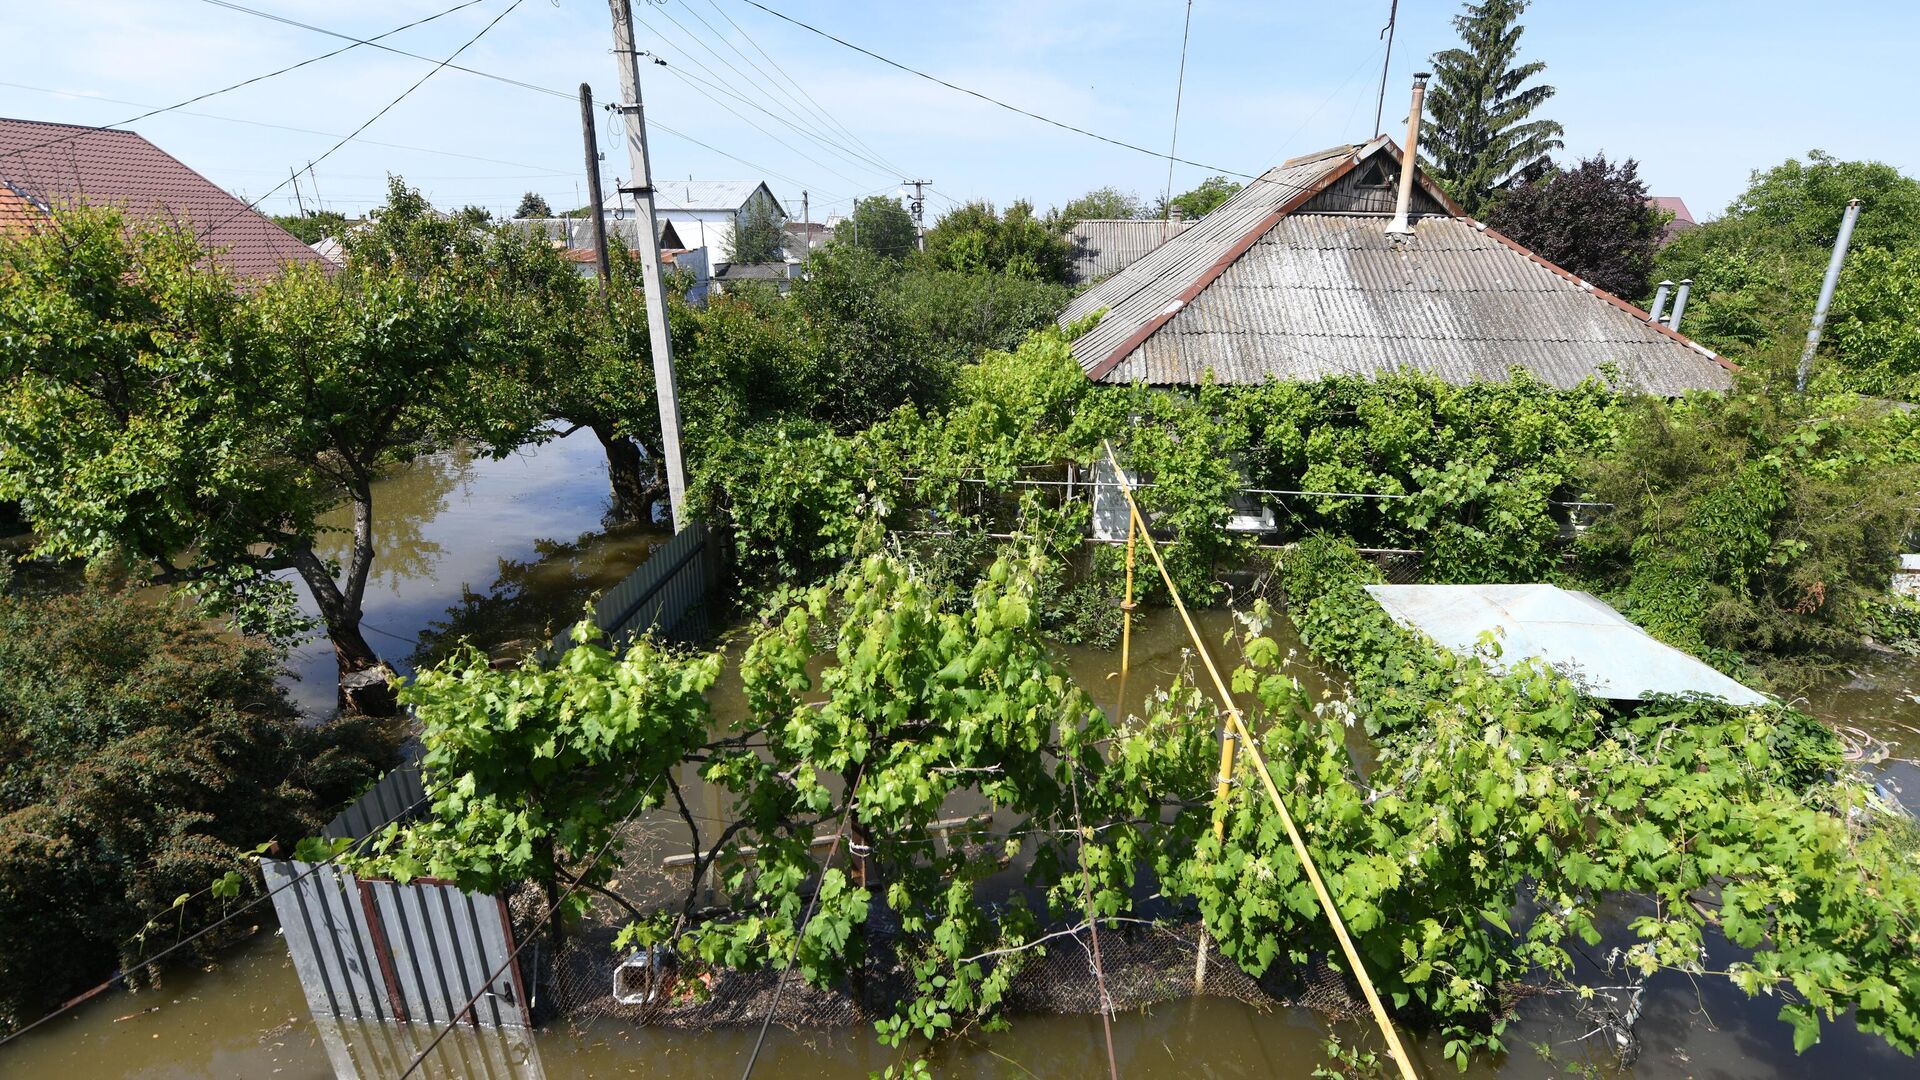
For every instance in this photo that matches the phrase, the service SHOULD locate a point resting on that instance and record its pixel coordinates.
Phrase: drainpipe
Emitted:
(1826, 293)
(1659, 301)
(1410, 160)
(1679, 304)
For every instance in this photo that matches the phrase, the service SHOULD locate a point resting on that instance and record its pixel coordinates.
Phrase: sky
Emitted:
(1700, 93)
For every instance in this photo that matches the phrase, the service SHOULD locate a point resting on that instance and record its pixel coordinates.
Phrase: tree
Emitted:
(1202, 200)
(1592, 219)
(1480, 139)
(144, 755)
(313, 226)
(1100, 204)
(976, 238)
(880, 225)
(166, 419)
(757, 235)
(533, 205)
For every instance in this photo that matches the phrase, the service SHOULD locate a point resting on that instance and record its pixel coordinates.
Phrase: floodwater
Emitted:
(507, 550)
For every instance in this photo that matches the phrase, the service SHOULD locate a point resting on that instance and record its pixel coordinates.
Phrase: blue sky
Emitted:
(1701, 93)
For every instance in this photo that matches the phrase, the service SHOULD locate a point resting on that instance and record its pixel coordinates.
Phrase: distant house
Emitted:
(45, 167)
(1682, 217)
(703, 213)
(1297, 278)
(803, 238)
(1106, 246)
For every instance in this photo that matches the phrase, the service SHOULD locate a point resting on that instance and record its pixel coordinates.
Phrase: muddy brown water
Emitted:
(503, 549)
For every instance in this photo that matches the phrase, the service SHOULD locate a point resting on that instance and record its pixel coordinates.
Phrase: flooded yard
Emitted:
(503, 549)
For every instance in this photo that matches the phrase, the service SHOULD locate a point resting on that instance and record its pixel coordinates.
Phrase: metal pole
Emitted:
(1680, 304)
(649, 243)
(1659, 301)
(596, 211)
(1409, 160)
(1393, 16)
(1826, 293)
(297, 200)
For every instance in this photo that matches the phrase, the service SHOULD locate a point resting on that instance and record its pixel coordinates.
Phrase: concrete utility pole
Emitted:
(649, 238)
(595, 210)
(806, 227)
(919, 209)
(1826, 293)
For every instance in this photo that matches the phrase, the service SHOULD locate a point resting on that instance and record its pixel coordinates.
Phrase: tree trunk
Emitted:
(363, 675)
(633, 494)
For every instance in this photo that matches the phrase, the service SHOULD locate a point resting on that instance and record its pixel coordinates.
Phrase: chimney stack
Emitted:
(1175, 213)
(1680, 304)
(1659, 301)
(1410, 158)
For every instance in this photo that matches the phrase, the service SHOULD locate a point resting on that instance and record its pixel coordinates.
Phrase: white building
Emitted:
(701, 213)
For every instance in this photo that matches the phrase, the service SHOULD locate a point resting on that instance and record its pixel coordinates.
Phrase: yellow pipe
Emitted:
(1385, 1023)
(1126, 629)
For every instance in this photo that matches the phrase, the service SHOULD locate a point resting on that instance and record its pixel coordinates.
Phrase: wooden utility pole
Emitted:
(594, 209)
(649, 244)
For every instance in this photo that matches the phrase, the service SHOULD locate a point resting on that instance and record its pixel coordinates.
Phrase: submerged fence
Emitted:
(372, 950)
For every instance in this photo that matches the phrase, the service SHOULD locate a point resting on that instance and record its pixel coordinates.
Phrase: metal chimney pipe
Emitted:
(1826, 293)
(1679, 304)
(1410, 158)
(1659, 301)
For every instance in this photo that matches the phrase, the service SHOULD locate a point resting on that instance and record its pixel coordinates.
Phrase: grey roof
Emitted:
(1105, 246)
(1271, 286)
(698, 194)
(1573, 632)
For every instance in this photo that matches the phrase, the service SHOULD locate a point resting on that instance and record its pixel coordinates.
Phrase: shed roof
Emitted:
(1103, 246)
(1287, 281)
(57, 165)
(1573, 632)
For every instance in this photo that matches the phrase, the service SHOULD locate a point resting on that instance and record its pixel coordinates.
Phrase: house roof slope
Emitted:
(65, 164)
(1273, 286)
(1103, 246)
(699, 194)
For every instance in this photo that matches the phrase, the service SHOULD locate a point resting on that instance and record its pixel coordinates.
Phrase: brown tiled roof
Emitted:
(58, 165)
(17, 212)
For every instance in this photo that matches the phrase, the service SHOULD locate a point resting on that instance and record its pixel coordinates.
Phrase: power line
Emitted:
(297, 130)
(820, 109)
(229, 5)
(1179, 93)
(691, 80)
(996, 101)
(357, 42)
(417, 83)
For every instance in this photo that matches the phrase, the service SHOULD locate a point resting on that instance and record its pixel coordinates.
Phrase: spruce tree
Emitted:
(1480, 139)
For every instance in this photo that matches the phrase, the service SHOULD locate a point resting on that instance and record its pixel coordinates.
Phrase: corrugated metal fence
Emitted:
(374, 950)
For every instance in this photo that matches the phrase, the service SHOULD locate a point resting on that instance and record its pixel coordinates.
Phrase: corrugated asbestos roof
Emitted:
(697, 194)
(1259, 289)
(1105, 246)
(1575, 633)
(63, 164)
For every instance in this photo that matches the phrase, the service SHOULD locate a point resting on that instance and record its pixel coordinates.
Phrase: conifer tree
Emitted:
(1479, 138)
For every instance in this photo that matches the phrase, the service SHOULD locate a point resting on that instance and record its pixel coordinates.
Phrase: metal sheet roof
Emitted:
(1574, 632)
(56, 165)
(697, 194)
(1103, 246)
(1261, 289)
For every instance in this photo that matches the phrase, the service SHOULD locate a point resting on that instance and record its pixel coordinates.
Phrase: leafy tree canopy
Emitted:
(976, 238)
(1480, 138)
(757, 236)
(881, 225)
(1202, 200)
(533, 205)
(313, 226)
(1100, 204)
(1592, 219)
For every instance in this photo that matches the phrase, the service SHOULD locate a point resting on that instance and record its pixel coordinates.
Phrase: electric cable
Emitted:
(989, 99)
(257, 78)
(417, 83)
(1179, 93)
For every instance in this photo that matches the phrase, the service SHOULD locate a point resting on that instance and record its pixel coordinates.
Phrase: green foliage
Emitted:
(143, 755)
(534, 768)
(757, 235)
(1505, 814)
(977, 239)
(533, 205)
(1757, 270)
(1754, 526)
(881, 225)
(1479, 137)
(313, 226)
(960, 316)
(1101, 204)
(1202, 200)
